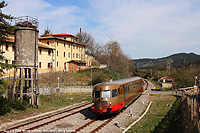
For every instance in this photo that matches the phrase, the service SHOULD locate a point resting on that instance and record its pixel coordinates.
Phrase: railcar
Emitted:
(111, 97)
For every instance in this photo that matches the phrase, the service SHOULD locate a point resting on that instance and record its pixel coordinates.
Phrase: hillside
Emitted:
(175, 60)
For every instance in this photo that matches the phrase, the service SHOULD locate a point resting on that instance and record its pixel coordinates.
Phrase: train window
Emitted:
(126, 88)
(97, 94)
(105, 94)
(114, 93)
(119, 91)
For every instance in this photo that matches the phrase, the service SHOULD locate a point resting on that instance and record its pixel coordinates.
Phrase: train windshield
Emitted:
(105, 94)
(97, 94)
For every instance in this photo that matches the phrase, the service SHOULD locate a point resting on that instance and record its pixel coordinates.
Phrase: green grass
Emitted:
(58, 101)
(156, 114)
(63, 100)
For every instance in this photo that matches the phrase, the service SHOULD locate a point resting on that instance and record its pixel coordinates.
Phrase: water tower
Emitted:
(26, 60)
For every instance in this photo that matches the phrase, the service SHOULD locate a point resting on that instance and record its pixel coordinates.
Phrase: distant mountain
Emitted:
(174, 60)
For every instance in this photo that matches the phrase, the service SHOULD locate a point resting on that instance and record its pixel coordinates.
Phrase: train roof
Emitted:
(120, 81)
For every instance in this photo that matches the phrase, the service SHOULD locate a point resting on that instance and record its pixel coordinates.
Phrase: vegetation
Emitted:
(163, 116)
(110, 54)
(82, 77)
(8, 105)
(5, 29)
(47, 31)
(62, 100)
(174, 60)
(59, 100)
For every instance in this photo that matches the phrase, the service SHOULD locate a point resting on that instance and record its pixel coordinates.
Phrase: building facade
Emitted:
(57, 52)
(67, 48)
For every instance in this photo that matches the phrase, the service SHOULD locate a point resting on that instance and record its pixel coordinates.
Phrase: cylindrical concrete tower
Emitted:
(26, 47)
(26, 60)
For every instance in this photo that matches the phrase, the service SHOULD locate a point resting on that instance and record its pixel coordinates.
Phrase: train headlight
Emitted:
(110, 103)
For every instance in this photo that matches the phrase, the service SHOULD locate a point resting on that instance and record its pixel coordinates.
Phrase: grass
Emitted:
(155, 117)
(58, 101)
(63, 100)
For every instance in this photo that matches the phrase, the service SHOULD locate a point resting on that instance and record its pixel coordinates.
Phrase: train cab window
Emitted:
(119, 91)
(105, 94)
(114, 93)
(97, 94)
(128, 88)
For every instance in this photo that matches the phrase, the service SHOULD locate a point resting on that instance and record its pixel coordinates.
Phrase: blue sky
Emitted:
(144, 28)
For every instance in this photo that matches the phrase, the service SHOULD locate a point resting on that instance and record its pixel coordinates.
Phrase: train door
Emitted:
(124, 91)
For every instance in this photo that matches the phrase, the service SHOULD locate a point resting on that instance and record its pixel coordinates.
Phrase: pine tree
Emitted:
(47, 31)
(5, 29)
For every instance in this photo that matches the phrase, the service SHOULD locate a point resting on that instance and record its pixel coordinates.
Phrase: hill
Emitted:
(174, 60)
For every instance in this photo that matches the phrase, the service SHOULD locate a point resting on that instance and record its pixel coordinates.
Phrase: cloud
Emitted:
(59, 19)
(146, 24)
(144, 28)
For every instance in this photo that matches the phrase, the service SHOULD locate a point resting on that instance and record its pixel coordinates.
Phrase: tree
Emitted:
(116, 59)
(47, 31)
(92, 47)
(5, 30)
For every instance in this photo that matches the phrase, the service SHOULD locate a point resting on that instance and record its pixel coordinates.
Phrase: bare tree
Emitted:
(115, 58)
(92, 47)
(110, 54)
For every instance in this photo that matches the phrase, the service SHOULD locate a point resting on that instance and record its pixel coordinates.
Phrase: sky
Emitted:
(144, 28)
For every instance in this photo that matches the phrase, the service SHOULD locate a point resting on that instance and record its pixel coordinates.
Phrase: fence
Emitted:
(190, 111)
(63, 88)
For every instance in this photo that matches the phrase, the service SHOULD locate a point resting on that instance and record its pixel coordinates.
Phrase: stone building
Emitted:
(166, 82)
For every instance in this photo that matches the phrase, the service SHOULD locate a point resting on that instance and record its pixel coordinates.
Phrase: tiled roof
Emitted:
(62, 34)
(77, 61)
(40, 45)
(54, 37)
(10, 40)
(169, 79)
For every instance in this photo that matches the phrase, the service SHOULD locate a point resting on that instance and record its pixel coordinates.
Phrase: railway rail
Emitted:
(92, 126)
(103, 123)
(47, 117)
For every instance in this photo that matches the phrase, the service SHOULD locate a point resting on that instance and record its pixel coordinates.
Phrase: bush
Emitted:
(5, 106)
(18, 104)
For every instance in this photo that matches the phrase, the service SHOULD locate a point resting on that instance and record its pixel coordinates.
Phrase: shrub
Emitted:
(5, 106)
(18, 104)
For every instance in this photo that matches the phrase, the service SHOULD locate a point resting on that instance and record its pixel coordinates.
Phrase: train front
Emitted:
(104, 100)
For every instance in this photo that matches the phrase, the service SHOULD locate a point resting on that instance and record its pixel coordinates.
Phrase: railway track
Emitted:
(93, 124)
(35, 124)
(92, 128)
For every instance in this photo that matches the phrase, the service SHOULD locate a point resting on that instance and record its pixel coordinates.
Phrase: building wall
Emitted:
(89, 60)
(9, 52)
(73, 67)
(167, 85)
(9, 55)
(44, 59)
(65, 51)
